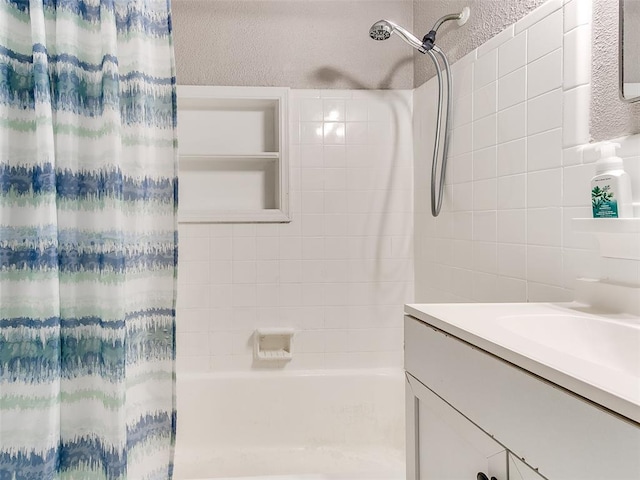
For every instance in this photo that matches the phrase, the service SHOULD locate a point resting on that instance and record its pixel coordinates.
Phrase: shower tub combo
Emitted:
(307, 425)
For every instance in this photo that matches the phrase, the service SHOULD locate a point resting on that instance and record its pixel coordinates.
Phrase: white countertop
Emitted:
(591, 353)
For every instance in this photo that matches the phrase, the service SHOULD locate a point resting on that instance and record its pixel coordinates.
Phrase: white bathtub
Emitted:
(303, 425)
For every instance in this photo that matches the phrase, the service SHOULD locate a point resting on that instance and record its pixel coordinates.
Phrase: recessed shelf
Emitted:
(233, 149)
(208, 124)
(618, 237)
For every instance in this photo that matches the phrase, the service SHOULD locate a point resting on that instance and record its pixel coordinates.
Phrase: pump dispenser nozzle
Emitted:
(608, 160)
(608, 149)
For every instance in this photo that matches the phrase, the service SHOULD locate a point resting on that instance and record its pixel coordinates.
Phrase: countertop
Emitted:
(560, 355)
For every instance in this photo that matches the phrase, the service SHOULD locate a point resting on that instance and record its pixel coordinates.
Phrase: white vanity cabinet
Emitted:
(470, 411)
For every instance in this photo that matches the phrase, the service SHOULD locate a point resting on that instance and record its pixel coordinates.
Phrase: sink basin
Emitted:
(611, 343)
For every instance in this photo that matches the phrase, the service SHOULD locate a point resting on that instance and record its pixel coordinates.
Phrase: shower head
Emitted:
(382, 29)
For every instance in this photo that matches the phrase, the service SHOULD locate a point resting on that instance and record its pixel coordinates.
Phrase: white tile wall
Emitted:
(339, 273)
(505, 230)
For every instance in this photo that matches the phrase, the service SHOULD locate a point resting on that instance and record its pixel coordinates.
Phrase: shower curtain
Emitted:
(88, 247)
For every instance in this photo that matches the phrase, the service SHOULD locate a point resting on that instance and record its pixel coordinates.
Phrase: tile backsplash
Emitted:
(339, 273)
(519, 169)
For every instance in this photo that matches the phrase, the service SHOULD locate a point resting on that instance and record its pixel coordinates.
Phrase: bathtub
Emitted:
(311, 425)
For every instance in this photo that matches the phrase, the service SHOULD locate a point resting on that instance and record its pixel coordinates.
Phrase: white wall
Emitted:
(290, 43)
(339, 273)
(518, 172)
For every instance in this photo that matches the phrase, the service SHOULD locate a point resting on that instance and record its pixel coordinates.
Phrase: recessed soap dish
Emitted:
(273, 344)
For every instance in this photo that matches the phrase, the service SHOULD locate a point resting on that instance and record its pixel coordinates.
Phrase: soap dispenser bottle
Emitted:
(611, 187)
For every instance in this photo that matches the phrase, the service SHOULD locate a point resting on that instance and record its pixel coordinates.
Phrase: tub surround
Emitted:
(339, 273)
(345, 424)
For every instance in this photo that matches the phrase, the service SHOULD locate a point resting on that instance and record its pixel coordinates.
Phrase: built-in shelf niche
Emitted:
(232, 143)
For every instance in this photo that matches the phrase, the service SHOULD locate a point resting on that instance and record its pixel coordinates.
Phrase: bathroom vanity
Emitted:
(522, 391)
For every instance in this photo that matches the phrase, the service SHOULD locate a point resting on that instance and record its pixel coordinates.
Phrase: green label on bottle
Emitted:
(603, 203)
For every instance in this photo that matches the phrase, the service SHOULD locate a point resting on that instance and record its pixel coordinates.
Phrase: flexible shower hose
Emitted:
(437, 185)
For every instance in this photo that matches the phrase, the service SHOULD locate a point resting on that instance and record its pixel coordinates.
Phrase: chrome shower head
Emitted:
(380, 30)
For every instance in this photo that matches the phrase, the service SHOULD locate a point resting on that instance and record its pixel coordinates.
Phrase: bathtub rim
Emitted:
(262, 373)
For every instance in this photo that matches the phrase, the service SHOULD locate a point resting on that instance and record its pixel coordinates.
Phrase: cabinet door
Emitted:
(518, 470)
(444, 445)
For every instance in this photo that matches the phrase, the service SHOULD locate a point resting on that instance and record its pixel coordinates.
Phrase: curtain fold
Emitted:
(88, 242)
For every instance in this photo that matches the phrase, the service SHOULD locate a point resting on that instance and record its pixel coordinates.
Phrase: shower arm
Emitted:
(429, 40)
(446, 18)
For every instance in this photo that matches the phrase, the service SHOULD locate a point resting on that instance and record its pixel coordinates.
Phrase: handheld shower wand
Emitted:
(382, 30)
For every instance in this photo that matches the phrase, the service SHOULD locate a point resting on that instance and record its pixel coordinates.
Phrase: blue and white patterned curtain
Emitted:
(88, 247)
